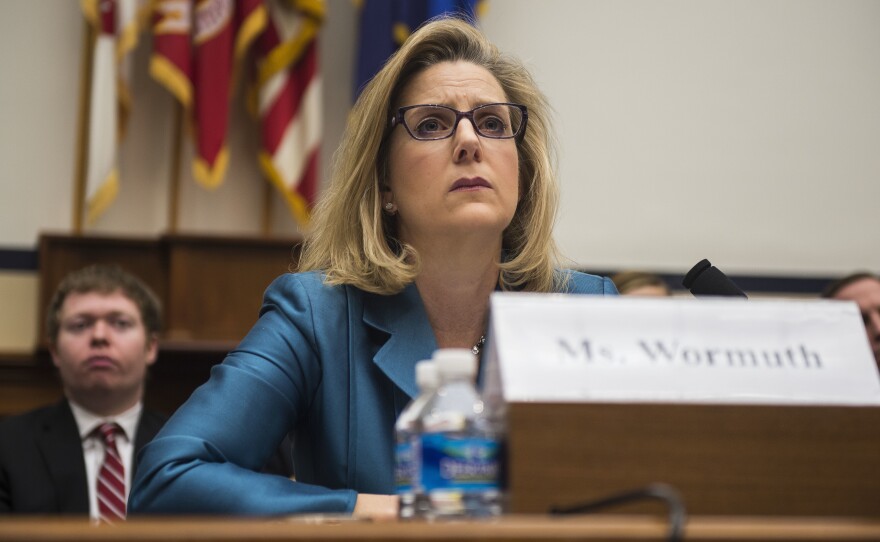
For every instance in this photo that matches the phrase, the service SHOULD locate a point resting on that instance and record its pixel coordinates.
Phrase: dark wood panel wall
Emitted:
(211, 290)
(217, 284)
(211, 287)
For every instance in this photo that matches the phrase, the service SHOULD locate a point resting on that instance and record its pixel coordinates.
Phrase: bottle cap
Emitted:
(455, 362)
(426, 375)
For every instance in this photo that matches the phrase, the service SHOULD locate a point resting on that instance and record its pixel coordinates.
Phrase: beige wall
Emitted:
(18, 314)
(743, 131)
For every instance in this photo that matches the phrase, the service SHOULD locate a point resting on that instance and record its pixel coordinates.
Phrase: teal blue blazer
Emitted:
(334, 365)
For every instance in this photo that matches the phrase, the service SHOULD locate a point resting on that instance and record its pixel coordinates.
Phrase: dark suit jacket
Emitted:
(42, 469)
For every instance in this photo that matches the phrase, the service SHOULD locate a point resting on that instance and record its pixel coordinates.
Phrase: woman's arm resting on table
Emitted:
(379, 507)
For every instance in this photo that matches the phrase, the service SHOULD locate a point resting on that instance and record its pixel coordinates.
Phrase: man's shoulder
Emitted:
(149, 425)
(576, 282)
(29, 421)
(153, 417)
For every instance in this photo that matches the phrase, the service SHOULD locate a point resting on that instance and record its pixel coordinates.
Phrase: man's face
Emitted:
(102, 350)
(866, 293)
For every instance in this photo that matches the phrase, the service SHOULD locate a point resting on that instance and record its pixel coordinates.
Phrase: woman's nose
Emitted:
(467, 141)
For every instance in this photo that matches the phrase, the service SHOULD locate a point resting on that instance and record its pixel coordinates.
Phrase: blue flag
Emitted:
(385, 25)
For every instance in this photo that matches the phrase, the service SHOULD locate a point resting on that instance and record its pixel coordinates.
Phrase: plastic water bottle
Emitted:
(461, 445)
(408, 434)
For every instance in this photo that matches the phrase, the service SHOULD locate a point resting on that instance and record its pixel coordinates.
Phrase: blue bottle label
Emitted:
(467, 464)
(406, 466)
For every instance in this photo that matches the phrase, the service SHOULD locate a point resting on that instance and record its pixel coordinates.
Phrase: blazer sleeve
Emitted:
(207, 458)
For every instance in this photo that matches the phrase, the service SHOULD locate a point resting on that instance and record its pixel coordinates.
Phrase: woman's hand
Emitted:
(377, 507)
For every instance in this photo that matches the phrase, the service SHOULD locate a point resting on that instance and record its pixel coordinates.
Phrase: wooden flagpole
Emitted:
(82, 144)
(174, 181)
(268, 192)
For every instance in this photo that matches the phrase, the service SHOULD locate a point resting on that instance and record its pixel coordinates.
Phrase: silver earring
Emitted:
(389, 206)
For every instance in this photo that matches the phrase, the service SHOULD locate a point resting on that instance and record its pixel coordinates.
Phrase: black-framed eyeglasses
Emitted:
(428, 122)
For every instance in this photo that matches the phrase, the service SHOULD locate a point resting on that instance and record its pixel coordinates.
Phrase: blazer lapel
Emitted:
(61, 447)
(411, 339)
(149, 424)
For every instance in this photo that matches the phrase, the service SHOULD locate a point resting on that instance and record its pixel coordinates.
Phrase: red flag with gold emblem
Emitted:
(212, 78)
(171, 62)
(198, 46)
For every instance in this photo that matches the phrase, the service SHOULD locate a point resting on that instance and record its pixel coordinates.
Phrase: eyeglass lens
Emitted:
(435, 122)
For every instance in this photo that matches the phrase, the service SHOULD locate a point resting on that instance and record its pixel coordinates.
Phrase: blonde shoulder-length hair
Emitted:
(354, 242)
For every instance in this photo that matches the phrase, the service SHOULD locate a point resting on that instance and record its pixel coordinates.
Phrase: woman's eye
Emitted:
(428, 126)
(492, 125)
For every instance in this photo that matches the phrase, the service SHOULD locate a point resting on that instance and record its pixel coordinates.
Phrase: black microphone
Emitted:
(706, 279)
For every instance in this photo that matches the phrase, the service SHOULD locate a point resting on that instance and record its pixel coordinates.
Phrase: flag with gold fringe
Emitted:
(200, 49)
(171, 61)
(288, 96)
(116, 25)
(213, 36)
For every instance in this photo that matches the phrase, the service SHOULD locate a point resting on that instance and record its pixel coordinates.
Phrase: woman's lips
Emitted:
(472, 183)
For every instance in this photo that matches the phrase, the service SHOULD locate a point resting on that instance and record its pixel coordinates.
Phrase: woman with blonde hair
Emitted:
(443, 190)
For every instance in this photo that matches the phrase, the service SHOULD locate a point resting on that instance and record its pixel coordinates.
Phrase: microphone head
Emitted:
(695, 272)
(706, 279)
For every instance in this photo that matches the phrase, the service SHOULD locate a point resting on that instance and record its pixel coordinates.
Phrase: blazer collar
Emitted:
(402, 316)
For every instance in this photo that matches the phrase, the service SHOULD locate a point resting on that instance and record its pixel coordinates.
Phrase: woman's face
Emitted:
(463, 184)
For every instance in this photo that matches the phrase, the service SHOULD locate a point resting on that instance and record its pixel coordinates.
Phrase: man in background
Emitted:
(864, 289)
(640, 283)
(78, 456)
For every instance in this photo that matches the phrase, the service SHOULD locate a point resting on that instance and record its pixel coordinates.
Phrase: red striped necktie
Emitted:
(111, 478)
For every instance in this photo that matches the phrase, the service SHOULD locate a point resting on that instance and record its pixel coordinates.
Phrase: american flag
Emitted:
(288, 89)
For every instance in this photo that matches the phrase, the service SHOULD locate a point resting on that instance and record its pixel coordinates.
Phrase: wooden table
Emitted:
(510, 528)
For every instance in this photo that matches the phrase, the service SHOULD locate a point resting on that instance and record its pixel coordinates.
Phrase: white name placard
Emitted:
(564, 348)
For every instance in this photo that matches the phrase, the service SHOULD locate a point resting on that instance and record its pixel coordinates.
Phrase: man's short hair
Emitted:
(626, 281)
(105, 279)
(837, 285)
